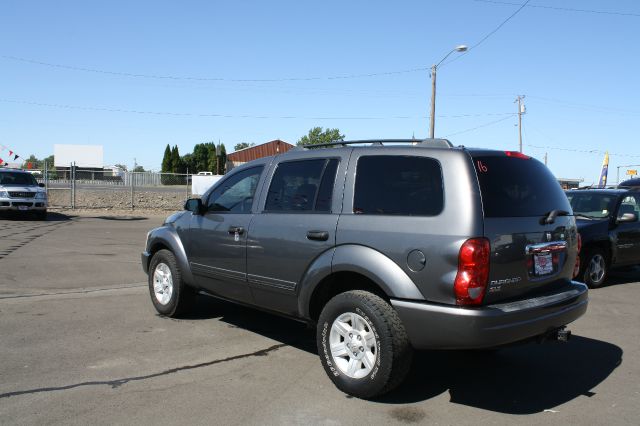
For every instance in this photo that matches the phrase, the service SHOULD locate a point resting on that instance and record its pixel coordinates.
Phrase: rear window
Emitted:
(517, 187)
(398, 185)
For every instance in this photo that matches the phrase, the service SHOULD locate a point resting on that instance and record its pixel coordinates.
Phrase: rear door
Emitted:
(298, 224)
(528, 221)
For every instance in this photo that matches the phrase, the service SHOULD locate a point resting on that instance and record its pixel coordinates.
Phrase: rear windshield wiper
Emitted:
(551, 216)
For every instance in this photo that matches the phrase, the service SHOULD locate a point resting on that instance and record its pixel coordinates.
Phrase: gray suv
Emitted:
(385, 246)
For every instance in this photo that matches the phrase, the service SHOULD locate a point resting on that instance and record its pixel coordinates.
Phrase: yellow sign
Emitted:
(632, 172)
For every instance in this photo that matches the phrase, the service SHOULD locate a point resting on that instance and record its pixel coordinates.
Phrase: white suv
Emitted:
(19, 191)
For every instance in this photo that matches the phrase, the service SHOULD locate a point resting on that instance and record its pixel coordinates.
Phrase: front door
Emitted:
(628, 241)
(218, 237)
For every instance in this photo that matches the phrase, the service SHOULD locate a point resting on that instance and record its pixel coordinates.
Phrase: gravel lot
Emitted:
(80, 343)
(117, 198)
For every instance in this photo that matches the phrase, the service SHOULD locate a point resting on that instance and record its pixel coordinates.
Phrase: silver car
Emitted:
(20, 192)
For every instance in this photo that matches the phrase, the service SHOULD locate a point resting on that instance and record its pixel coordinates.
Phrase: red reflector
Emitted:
(579, 243)
(516, 154)
(473, 271)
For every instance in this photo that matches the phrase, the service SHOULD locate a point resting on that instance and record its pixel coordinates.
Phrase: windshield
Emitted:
(592, 205)
(17, 178)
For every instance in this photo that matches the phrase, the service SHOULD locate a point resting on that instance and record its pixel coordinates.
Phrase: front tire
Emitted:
(596, 268)
(363, 345)
(169, 294)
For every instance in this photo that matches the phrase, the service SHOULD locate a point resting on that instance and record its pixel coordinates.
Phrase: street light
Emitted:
(460, 48)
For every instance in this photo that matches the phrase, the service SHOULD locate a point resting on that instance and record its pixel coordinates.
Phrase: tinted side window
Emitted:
(302, 186)
(398, 185)
(235, 194)
(325, 193)
(516, 187)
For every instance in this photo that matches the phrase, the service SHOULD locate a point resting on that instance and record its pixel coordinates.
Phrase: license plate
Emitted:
(23, 208)
(543, 263)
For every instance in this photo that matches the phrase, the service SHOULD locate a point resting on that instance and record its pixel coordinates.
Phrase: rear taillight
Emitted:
(473, 271)
(576, 267)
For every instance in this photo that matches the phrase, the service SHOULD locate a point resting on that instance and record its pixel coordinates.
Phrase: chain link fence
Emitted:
(72, 187)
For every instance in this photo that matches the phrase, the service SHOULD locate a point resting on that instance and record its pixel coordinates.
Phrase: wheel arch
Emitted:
(165, 239)
(352, 267)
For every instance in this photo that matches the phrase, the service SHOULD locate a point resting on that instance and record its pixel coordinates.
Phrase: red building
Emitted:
(254, 152)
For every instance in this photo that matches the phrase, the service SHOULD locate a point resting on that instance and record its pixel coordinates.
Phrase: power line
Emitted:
(492, 32)
(214, 115)
(584, 151)
(565, 9)
(191, 78)
(478, 127)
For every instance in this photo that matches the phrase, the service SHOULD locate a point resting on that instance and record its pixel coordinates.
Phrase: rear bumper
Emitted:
(431, 326)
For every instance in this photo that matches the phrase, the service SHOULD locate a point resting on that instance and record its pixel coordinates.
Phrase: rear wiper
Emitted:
(551, 216)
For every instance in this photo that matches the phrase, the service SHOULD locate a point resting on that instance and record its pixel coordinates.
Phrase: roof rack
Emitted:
(430, 143)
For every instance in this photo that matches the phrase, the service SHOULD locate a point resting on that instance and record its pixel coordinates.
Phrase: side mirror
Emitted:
(194, 205)
(41, 185)
(627, 217)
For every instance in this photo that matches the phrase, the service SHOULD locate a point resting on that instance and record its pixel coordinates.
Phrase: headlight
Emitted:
(41, 195)
(3, 194)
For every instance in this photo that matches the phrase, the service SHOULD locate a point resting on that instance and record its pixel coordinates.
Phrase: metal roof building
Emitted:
(254, 152)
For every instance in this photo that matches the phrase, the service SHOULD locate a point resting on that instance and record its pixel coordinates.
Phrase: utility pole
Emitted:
(545, 158)
(521, 110)
(432, 120)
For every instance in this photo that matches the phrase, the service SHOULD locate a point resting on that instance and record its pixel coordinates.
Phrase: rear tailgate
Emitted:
(533, 251)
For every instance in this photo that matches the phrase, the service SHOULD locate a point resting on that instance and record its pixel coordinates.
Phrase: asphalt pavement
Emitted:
(80, 343)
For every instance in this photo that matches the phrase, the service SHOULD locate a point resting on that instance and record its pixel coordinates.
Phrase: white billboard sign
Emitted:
(83, 155)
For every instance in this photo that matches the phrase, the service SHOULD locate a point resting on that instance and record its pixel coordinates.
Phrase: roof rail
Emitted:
(430, 143)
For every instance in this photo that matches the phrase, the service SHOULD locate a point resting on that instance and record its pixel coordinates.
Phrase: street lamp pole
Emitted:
(434, 69)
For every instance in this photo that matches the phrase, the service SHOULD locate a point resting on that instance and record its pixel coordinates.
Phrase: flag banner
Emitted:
(605, 169)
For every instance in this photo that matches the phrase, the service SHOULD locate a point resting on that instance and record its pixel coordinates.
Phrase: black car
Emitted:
(630, 183)
(608, 224)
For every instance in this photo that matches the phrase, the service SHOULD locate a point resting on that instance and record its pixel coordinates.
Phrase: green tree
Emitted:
(35, 163)
(200, 157)
(222, 158)
(167, 165)
(177, 166)
(122, 167)
(243, 145)
(317, 136)
(138, 169)
(213, 161)
(188, 162)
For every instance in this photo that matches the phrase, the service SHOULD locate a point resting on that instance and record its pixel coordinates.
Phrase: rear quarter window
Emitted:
(398, 185)
(517, 187)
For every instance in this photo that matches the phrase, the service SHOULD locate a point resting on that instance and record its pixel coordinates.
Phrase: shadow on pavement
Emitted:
(119, 218)
(627, 275)
(522, 379)
(51, 217)
(517, 380)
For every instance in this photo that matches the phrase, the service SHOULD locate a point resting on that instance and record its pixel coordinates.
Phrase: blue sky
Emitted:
(577, 69)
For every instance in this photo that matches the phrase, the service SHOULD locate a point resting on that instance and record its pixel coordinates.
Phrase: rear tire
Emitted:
(596, 267)
(169, 294)
(363, 345)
